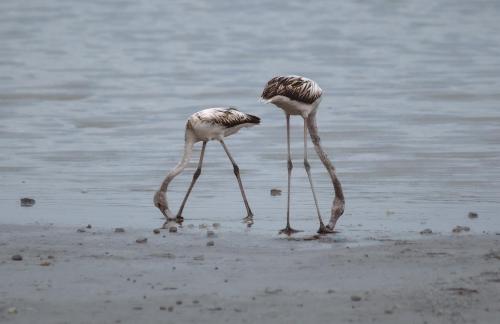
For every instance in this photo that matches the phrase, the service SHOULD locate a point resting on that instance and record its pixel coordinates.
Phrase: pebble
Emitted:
(163, 308)
(190, 226)
(355, 298)
(27, 202)
(275, 192)
(459, 229)
(170, 308)
(12, 310)
(210, 243)
(89, 226)
(17, 257)
(81, 230)
(172, 229)
(119, 230)
(201, 226)
(141, 240)
(210, 233)
(426, 231)
(473, 215)
(216, 225)
(179, 302)
(45, 263)
(156, 231)
(199, 258)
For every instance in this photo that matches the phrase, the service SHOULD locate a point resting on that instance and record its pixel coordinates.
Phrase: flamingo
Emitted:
(297, 95)
(203, 126)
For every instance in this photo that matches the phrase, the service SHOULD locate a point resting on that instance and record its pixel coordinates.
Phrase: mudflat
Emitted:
(97, 275)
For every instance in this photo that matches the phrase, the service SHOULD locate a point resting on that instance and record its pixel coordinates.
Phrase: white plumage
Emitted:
(297, 95)
(206, 125)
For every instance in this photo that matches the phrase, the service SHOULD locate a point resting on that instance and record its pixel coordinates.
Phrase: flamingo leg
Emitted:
(322, 228)
(288, 230)
(249, 218)
(196, 174)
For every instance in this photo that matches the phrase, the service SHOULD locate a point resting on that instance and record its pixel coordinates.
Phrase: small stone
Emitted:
(388, 311)
(196, 301)
(170, 308)
(199, 258)
(190, 226)
(201, 226)
(156, 231)
(84, 191)
(163, 308)
(210, 243)
(210, 233)
(119, 230)
(45, 263)
(81, 230)
(89, 226)
(17, 257)
(172, 229)
(355, 298)
(137, 308)
(50, 257)
(459, 229)
(216, 225)
(12, 310)
(275, 192)
(473, 215)
(179, 302)
(426, 231)
(330, 291)
(141, 240)
(27, 202)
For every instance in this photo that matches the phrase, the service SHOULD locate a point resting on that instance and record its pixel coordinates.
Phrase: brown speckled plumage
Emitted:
(293, 87)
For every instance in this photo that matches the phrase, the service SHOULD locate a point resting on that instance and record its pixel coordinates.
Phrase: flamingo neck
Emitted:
(339, 201)
(188, 149)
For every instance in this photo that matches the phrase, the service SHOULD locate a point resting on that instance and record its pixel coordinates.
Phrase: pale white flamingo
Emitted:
(203, 126)
(297, 95)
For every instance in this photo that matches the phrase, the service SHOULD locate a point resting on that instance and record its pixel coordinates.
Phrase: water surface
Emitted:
(94, 96)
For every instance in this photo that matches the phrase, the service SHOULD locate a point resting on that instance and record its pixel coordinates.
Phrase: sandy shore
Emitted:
(99, 276)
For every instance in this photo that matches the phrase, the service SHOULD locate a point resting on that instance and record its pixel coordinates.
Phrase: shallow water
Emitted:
(94, 96)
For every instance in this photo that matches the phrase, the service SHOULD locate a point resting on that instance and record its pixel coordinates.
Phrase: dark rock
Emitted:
(89, 226)
(27, 202)
(426, 231)
(17, 257)
(172, 229)
(156, 231)
(355, 298)
(210, 233)
(216, 225)
(81, 230)
(210, 243)
(459, 229)
(119, 230)
(473, 215)
(179, 302)
(141, 240)
(275, 192)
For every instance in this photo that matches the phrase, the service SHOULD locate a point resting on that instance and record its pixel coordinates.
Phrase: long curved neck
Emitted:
(339, 201)
(188, 149)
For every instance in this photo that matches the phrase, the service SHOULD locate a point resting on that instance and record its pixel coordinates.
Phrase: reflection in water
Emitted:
(94, 96)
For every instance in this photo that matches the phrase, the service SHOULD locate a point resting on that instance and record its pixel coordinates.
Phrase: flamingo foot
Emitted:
(248, 220)
(325, 229)
(288, 231)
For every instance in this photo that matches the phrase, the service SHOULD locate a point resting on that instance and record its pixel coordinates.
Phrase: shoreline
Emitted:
(100, 276)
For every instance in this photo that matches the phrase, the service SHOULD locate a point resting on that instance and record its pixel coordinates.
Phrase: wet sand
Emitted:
(99, 276)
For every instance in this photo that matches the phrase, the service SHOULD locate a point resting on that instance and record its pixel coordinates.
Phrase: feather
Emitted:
(293, 87)
(226, 117)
